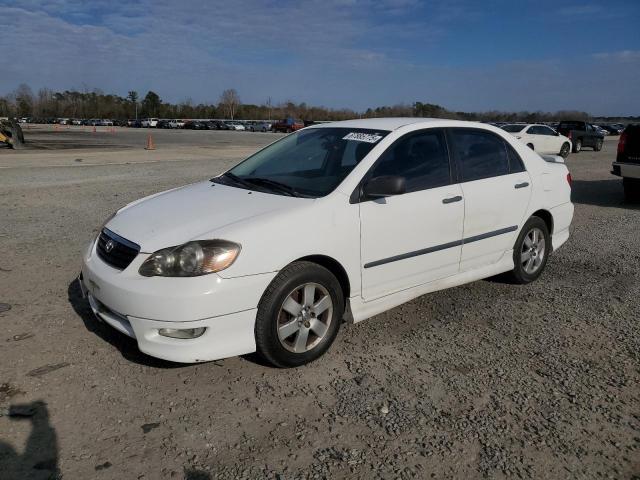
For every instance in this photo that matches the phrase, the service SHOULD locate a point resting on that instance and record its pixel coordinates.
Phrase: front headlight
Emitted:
(192, 259)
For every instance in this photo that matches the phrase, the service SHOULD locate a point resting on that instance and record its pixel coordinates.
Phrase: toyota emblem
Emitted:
(109, 246)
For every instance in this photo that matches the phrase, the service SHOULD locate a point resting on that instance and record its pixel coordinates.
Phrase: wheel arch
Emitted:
(334, 267)
(546, 216)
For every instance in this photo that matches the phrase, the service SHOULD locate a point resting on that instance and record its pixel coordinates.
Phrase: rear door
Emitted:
(549, 141)
(414, 238)
(496, 189)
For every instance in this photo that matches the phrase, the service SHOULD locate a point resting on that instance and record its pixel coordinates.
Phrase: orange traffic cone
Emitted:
(150, 145)
(94, 129)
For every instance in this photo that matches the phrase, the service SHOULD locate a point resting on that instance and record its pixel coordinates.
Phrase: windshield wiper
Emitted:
(234, 179)
(274, 185)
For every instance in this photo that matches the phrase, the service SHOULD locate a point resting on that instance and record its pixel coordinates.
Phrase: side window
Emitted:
(516, 165)
(547, 131)
(421, 158)
(532, 131)
(481, 154)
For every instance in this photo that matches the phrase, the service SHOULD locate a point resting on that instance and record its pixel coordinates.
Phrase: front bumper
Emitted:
(139, 306)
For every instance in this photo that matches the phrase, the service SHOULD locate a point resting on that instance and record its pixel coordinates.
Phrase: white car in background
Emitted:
(541, 138)
(149, 123)
(337, 221)
(235, 125)
(176, 123)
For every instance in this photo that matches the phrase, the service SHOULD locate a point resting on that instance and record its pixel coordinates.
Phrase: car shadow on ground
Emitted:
(39, 458)
(125, 345)
(601, 193)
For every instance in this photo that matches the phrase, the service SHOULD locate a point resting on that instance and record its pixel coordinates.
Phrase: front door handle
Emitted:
(522, 185)
(457, 198)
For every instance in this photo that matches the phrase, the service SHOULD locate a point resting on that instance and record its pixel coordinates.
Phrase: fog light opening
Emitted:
(184, 333)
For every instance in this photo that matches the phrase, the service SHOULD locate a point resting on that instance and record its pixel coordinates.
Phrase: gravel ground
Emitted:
(487, 380)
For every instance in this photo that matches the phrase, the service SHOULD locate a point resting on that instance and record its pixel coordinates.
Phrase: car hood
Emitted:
(192, 212)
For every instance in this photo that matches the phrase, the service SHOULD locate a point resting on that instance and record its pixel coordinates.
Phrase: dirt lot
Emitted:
(484, 380)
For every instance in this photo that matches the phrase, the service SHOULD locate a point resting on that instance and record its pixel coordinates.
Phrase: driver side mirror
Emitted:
(384, 186)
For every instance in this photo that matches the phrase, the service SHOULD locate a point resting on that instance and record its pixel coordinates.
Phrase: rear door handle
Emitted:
(522, 185)
(457, 198)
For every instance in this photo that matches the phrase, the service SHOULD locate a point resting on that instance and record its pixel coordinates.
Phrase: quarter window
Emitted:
(481, 154)
(421, 158)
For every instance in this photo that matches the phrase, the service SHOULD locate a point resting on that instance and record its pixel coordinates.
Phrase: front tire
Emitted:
(598, 146)
(299, 315)
(531, 251)
(577, 146)
(565, 149)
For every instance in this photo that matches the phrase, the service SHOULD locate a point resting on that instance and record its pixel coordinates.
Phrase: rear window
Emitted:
(481, 154)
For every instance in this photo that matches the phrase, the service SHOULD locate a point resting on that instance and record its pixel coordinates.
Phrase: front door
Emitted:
(414, 238)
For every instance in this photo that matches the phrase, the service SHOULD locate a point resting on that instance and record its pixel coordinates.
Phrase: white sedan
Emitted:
(540, 138)
(336, 222)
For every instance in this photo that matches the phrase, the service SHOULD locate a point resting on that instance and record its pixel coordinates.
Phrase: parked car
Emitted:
(195, 125)
(176, 123)
(627, 164)
(259, 127)
(163, 124)
(149, 122)
(399, 207)
(220, 125)
(235, 125)
(105, 122)
(287, 125)
(581, 134)
(540, 138)
(76, 121)
(601, 130)
(613, 130)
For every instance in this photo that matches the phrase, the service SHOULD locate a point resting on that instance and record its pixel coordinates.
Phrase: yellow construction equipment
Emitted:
(11, 134)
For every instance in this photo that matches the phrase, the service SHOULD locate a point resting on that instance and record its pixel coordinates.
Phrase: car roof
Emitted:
(395, 123)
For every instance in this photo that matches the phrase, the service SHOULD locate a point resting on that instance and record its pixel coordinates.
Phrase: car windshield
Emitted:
(309, 163)
(513, 128)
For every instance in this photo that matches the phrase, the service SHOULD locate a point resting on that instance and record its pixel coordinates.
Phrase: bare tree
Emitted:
(229, 102)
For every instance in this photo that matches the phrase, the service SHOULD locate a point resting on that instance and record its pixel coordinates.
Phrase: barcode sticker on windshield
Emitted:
(362, 137)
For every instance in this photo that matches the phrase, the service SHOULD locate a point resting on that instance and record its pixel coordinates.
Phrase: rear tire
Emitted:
(565, 149)
(299, 315)
(577, 146)
(531, 251)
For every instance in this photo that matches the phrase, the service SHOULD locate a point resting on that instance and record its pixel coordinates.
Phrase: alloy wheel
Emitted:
(533, 251)
(304, 317)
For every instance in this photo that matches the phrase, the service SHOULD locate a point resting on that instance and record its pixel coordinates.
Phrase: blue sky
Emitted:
(465, 55)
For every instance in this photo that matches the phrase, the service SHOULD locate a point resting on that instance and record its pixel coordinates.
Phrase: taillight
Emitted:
(569, 135)
(569, 179)
(622, 142)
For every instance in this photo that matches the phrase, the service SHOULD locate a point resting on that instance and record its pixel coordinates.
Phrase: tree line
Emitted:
(46, 103)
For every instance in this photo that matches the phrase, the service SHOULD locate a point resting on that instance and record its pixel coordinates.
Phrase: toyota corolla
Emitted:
(336, 222)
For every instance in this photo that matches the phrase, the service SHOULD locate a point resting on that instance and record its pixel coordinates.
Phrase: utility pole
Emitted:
(269, 105)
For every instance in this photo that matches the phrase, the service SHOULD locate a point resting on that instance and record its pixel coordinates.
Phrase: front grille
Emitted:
(121, 251)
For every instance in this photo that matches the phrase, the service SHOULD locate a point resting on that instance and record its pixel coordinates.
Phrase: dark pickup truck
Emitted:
(581, 134)
(627, 164)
